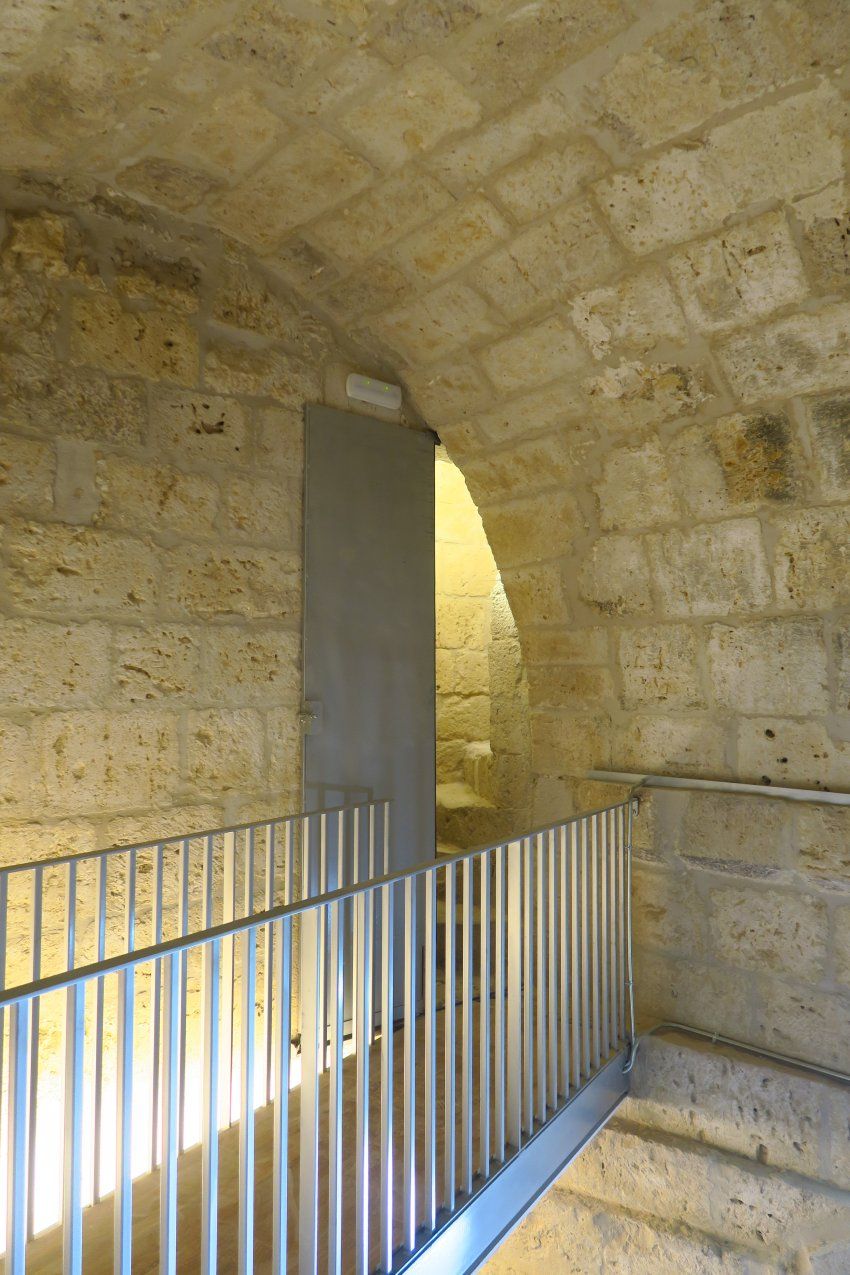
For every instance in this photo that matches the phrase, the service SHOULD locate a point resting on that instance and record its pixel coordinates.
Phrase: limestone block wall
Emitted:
(153, 383)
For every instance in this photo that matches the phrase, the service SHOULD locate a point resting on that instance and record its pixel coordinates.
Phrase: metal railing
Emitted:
(488, 1009)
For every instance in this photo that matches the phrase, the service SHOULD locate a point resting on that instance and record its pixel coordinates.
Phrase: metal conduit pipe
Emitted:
(770, 1055)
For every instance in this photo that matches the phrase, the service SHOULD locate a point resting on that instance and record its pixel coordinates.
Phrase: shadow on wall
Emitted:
(483, 730)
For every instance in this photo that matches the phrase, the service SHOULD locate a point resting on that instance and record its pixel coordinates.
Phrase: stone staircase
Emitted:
(469, 812)
(718, 1164)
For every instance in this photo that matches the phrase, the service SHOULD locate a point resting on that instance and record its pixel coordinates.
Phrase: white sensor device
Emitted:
(365, 389)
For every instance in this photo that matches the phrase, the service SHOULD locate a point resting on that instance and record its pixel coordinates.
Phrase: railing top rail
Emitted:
(7, 869)
(817, 796)
(241, 925)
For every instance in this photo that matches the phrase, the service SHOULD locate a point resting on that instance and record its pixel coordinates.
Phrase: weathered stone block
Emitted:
(774, 666)
(572, 687)
(694, 745)
(635, 314)
(729, 829)
(27, 470)
(457, 389)
(453, 239)
(436, 324)
(568, 251)
(465, 717)
(829, 423)
(243, 667)
(468, 160)
(747, 272)
(540, 353)
(100, 762)
(232, 134)
(628, 474)
(537, 527)
(465, 570)
(736, 464)
(249, 299)
(556, 406)
(16, 771)
(801, 354)
(823, 843)
(540, 181)
(461, 622)
(142, 343)
(824, 220)
(215, 581)
(268, 373)
(61, 570)
(421, 105)
(284, 740)
(46, 665)
(568, 743)
(163, 662)
(668, 910)
(537, 594)
(226, 749)
(660, 664)
(791, 147)
(714, 569)
(79, 403)
(462, 672)
(676, 989)
(280, 440)
(841, 654)
(565, 646)
(258, 510)
(135, 496)
(166, 183)
(811, 558)
(667, 199)
(764, 929)
(192, 426)
(635, 394)
(380, 215)
(792, 753)
(841, 945)
(803, 1022)
(37, 243)
(614, 578)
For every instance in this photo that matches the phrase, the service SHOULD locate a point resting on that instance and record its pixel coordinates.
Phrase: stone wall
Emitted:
(154, 380)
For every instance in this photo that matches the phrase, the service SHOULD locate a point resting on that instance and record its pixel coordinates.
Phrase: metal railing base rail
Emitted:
(478, 1226)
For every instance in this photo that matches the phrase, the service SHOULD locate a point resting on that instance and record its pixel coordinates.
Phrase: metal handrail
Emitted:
(638, 781)
(536, 940)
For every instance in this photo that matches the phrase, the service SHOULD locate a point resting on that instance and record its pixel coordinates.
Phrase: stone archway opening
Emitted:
(483, 724)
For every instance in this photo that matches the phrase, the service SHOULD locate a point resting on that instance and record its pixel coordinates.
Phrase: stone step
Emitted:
(767, 1112)
(773, 1214)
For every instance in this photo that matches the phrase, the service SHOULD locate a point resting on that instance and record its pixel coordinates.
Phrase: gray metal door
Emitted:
(369, 623)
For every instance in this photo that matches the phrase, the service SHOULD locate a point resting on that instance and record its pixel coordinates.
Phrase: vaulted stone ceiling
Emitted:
(605, 245)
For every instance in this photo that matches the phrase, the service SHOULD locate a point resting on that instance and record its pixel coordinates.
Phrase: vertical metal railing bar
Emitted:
(584, 922)
(466, 1160)
(621, 918)
(321, 994)
(311, 1049)
(613, 842)
(541, 1035)
(593, 903)
(335, 1062)
(552, 965)
(228, 972)
(72, 1098)
(183, 929)
(123, 1205)
(499, 1005)
(564, 936)
(268, 962)
(36, 931)
(155, 1004)
(387, 1032)
(363, 948)
(72, 1102)
(484, 1039)
(169, 1109)
(211, 976)
(283, 973)
(411, 954)
(603, 971)
(449, 1055)
(514, 1037)
(18, 1101)
(100, 988)
(370, 869)
(429, 983)
(630, 1030)
(527, 989)
(246, 1088)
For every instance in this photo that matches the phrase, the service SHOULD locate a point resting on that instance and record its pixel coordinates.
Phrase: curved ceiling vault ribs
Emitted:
(573, 227)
